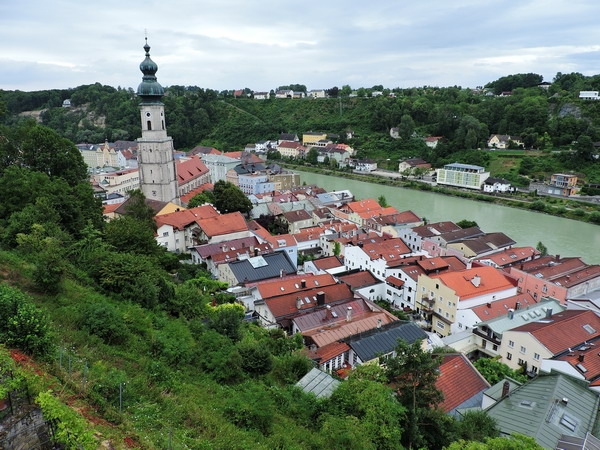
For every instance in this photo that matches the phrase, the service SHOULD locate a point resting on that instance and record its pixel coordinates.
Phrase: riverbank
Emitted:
(559, 207)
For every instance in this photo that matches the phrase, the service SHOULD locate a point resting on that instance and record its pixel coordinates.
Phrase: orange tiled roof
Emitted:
(223, 224)
(565, 330)
(185, 199)
(359, 279)
(500, 307)
(511, 256)
(285, 305)
(330, 351)
(363, 206)
(389, 250)
(458, 381)
(180, 219)
(461, 282)
(190, 169)
(585, 357)
(276, 288)
(329, 262)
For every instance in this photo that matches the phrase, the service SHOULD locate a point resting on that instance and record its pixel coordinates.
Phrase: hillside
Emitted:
(553, 122)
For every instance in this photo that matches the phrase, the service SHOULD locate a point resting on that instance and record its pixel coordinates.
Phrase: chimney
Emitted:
(320, 298)
(298, 302)
(548, 313)
(505, 389)
(511, 313)
(303, 283)
(255, 252)
(489, 305)
(328, 314)
(518, 305)
(282, 273)
(476, 280)
(378, 323)
(581, 357)
(349, 314)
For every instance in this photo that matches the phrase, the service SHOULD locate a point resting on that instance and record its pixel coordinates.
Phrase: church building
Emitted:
(156, 160)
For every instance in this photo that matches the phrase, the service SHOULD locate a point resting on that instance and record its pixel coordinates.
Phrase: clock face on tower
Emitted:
(147, 114)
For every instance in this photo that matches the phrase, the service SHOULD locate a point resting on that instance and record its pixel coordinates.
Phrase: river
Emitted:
(564, 237)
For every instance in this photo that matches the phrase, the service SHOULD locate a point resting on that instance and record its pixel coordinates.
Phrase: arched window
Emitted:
(149, 124)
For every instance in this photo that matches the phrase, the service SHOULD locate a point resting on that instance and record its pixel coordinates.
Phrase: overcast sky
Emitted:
(263, 44)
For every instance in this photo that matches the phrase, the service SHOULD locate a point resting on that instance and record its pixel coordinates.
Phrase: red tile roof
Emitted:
(585, 357)
(223, 224)
(389, 250)
(458, 381)
(279, 287)
(359, 279)
(433, 264)
(185, 199)
(180, 219)
(362, 206)
(285, 305)
(500, 307)
(511, 256)
(564, 330)
(329, 262)
(189, 169)
(396, 282)
(328, 352)
(463, 282)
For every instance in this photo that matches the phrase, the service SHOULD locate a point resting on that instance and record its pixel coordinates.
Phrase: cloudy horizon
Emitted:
(233, 44)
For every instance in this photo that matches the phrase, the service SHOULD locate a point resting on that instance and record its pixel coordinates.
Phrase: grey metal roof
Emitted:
(546, 408)
(590, 442)
(368, 345)
(276, 262)
(319, 383)
(532, 313)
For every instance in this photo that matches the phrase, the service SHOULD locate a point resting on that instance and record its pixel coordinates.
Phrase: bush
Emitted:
(22, 324)
(103, 320)
(538, 205)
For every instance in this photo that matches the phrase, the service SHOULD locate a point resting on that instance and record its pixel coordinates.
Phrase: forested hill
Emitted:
(548, 119)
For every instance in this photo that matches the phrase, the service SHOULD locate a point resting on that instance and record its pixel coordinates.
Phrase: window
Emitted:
(440, 324)
(536, 356)
(447, 315)
(511, 344)
(523, 349)
(521, 362)
(495, 347)
(509, 356)
(165, 234)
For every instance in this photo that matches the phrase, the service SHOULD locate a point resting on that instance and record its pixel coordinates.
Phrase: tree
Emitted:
(465, 223)
(227, 320)
(230, 198)
(201, 198)
(406, 127)
(22, 324)
(477, 426)
(494, 371)
(413, 373)
(514, 442)
(312, 156)
(130, 234)
(540, 247)
(382, 201)
(346, 90)
(373, 404)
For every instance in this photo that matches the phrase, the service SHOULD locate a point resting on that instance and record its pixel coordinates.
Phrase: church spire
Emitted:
(149, 90)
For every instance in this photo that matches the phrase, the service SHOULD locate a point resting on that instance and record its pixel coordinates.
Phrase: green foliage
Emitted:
(250, 408)
(71, 429)
(105, 321)
(217, 355)
(538, 205)
(477, 426)
(201, 199)
(376, 408)
(288, 369)
(513, 442)
(345, 432)
(465, 223)
(230, 198)
(256, 358)
(382, 201)
(227, 320)
(22, 324)
(494, 371)
(540, 247)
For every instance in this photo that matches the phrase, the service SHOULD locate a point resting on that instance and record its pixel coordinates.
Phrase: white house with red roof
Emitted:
(441, 296)
(176, 231)
(375, 255)
(509, 257)
(191, 174)
(530, 344)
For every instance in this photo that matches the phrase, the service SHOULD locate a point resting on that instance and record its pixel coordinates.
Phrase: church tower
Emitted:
(156, 161)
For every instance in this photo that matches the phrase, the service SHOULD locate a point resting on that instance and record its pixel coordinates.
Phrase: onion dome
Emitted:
(149, 90)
